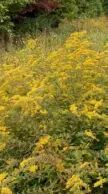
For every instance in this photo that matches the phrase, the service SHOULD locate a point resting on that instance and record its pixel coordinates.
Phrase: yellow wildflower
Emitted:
(100, 182)
(3, 129)
(75, 182)
(3, 176)
(2, 108)
(90, 134)
(25, 162)
(44, 112)
(96, 104)
(84, 164)
(31, 43)
(6, 190)
(33, 168)
(73, 109)
(91, 114)
(43, 141)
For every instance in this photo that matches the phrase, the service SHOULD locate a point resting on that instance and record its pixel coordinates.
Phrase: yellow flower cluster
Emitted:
(2, 176)
(27, 161)
(33, 168)
(43, 141)
(6, 190)
(100, 182)
(75, 183)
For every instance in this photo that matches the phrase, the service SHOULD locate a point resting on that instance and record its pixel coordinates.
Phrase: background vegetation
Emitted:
(69, 9)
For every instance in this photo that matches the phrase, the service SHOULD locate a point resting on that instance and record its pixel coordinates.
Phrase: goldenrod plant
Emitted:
(53, 119)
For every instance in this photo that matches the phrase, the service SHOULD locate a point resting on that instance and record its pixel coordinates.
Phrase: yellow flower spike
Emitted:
(2, 108)
(3, 129)
(73, 109)
(100, 182)
(90, 134)
(97, 104)
(6, 190)
(31, 43)
(3, 176)
(44, 112)
(75, 183)
(83, 165)
(93, 114)
(25, 162)
(33, 168)
(43, 141)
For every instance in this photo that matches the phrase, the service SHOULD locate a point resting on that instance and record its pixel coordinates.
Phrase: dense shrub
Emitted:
(29, 13)
(105, 5)
(9, 8)
(53, 119)
(15, 12)
(70, 9)
(76, 8)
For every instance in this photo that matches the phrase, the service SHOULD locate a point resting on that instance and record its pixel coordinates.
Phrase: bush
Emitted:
(105, 5)
(53, 120)
(11, 11)
(31, 26)
(8, 9)
(70, 9)
(76, 8)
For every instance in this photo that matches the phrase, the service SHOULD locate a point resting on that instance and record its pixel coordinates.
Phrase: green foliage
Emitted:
(105, 5)
(8, 8)
(77, 8)
(69, 8)
(33, 25)
(90, 8)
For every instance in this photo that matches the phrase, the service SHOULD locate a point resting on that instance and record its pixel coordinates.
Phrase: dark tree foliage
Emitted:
(34, 9)
(20, 15)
